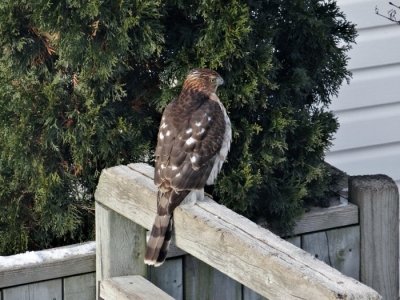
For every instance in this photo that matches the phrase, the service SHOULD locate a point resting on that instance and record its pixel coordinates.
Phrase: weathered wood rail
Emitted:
(253, 256)
(64, 273)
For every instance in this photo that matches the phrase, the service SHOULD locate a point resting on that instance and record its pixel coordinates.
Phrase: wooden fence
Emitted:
(219, 242)
(335, 235)
(65, 273)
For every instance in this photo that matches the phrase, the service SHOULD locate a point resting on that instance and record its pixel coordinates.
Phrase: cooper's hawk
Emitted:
(193, 141)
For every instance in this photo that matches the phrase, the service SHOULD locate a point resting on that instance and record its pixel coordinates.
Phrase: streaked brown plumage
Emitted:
(193, 141)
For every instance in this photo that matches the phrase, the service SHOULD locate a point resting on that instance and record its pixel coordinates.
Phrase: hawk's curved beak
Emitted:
(220, 81)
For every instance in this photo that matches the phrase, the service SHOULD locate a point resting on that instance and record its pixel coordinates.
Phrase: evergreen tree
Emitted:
(82, 85)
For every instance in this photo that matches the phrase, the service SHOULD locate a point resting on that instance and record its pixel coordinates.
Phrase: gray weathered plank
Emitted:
(339, 248)
(344, 250)
(51, 289)
(120, 245)
(319, 218)
(143, 169)
(17, 293)
(82, 287)
(231, 243)
(49, 268)
(317, 245)
(294, 240)
(168, 277)
(248, 294)
(205, 282)
(378, 201)
(130, 288)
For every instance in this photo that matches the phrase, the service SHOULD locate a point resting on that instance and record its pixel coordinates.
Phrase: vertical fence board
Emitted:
(169, 277)
(248, 294)
(339, 248)
(51, 289)
(378, 200)
(205, 282)
(344, 250)
(82, 287)
(120, 245)
(317, 245)
(295, 240)
(17, 293)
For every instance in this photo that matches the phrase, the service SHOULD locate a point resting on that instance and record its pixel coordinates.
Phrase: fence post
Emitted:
(120, 246)
(378, 200)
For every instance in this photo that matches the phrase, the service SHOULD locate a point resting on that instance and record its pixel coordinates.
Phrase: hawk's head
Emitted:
(204, 79)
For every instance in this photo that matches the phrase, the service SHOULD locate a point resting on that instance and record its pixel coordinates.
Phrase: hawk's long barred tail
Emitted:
(161, 233)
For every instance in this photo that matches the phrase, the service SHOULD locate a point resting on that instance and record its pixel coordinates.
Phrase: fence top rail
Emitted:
(229, 242)
(47, 264)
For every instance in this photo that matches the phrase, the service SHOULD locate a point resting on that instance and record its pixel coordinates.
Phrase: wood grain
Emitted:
(120, 245)
(203, 282)
(130, 288)
(378, 201)
(320, 218)
(50, 289)
(169, 277)
(247, 293)
(82, 287)
(339, 248)
(231, 243)
(344, 250)
(317, 245)
(294, 240)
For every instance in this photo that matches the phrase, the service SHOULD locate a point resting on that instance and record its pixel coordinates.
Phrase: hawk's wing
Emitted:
(189, 139)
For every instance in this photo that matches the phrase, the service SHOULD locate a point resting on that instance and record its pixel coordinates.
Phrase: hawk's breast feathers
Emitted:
(193, 141)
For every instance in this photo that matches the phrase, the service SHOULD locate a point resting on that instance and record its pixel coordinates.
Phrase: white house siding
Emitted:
(368, 140)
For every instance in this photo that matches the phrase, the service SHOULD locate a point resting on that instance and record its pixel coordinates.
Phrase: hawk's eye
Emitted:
(213, 79)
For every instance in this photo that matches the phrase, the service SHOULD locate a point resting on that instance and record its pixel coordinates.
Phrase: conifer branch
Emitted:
(397, 6)
(391, 14)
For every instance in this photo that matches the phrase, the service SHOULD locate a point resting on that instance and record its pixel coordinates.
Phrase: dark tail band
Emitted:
(162, 229)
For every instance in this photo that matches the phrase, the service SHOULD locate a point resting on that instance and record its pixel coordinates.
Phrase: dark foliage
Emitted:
(82, 85)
